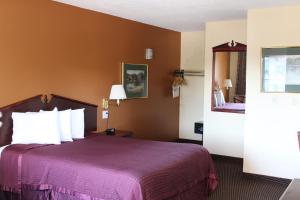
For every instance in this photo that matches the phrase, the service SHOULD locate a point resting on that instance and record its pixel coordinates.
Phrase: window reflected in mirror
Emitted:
(229, 78)
(281, 70)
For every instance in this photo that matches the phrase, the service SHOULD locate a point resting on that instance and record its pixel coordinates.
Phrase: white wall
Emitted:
(272, 120)
(191, 97)
(223, 132)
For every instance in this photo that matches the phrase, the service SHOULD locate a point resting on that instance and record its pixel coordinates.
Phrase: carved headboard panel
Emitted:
(40, 102)
(90, 110)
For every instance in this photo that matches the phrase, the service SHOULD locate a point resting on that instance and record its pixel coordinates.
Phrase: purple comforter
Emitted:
(233, 106)
(112, 168)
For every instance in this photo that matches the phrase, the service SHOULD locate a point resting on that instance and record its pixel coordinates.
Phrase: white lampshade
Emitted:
(117, 92)
(227, 83)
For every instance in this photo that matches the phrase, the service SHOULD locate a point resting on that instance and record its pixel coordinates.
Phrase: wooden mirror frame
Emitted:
(226, 47)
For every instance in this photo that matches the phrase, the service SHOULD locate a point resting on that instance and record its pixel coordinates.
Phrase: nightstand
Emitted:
(118, 133)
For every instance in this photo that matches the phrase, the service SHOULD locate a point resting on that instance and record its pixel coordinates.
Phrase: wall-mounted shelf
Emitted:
(183, 73)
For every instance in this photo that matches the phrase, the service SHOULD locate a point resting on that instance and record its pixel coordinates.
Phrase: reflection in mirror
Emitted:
(281, 69)
(229, 78)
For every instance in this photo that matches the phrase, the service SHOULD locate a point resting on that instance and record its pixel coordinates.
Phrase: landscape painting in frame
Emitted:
(135, 80)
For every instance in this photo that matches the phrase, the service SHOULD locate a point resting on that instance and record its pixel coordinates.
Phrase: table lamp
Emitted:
(227, 83)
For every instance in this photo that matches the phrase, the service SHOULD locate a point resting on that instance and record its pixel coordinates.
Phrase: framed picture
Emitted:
(135, 80)
(281, 70)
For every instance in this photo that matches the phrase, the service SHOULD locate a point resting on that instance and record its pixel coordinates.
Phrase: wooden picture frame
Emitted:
(135, 80)
(280, 70)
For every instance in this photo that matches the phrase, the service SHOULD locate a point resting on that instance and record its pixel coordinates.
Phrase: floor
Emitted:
(234, 185)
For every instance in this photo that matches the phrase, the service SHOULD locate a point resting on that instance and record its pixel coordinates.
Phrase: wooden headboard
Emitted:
(40, 102)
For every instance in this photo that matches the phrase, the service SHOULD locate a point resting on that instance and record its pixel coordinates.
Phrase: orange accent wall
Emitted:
(48, 47)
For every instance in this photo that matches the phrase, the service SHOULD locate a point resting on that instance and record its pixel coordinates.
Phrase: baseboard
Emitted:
(267, 178)
(227, 158)
(180, 140)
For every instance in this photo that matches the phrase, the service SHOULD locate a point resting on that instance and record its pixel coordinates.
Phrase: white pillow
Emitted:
(216, 99)
(222, 98)
(77, 123)
(38, 128)
(65, 125)
(219, 98)
(64, 119)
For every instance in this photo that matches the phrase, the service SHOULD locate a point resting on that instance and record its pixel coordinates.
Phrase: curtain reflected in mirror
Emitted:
(229, 79)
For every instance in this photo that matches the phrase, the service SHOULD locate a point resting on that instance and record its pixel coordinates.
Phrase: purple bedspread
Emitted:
(112, 168)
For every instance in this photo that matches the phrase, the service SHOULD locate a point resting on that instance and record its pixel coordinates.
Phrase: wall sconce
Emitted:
(227, 83)
(148, 54)
(117, 92)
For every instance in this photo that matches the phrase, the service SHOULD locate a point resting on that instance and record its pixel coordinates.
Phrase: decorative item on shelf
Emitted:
(175, 91)
(135, 80)
(179, 81)
(227, 83)
(148, 54)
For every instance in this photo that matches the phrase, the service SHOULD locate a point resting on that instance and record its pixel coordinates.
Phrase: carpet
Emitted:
(235, 185)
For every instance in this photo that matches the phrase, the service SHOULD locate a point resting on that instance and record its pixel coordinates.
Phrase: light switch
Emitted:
(105, 114)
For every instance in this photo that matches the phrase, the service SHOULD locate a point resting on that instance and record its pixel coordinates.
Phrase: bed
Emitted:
(99, 166)
(233, 106)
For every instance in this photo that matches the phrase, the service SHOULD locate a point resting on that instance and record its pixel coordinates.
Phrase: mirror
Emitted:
(229, 78)
(281, 70)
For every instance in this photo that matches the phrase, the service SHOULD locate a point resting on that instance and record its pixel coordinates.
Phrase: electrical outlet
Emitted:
(105, 114)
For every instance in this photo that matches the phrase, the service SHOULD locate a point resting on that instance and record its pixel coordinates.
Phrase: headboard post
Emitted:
(32, 104)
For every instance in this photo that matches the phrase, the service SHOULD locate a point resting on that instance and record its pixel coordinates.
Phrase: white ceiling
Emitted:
(179, 15)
